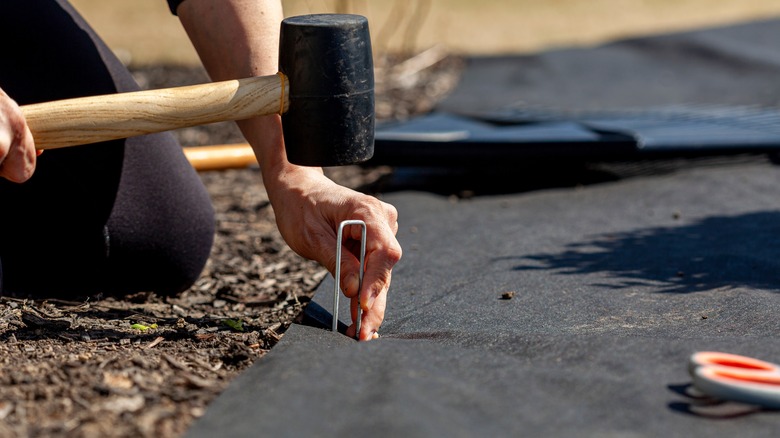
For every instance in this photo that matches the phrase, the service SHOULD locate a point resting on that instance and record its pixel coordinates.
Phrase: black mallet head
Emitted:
(328, 60)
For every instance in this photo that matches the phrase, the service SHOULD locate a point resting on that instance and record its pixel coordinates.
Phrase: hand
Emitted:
(237, 39)
(17, 149)
(309, 208)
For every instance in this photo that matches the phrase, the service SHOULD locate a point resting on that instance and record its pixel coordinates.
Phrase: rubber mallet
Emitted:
(325, 91)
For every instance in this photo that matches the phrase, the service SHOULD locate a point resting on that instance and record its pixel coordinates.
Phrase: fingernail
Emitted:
(375, 335)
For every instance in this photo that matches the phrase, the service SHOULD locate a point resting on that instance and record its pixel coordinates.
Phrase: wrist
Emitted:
(287, 176)
(265, 136)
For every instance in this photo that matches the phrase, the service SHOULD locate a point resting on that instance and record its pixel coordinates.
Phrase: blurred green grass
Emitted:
(144, 32)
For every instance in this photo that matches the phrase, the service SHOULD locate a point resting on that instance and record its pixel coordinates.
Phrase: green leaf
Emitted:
(141, 327)
(235, 324)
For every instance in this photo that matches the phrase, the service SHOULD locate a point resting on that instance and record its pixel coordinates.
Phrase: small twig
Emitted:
(155, 342)
(73, 304)
(271, 331)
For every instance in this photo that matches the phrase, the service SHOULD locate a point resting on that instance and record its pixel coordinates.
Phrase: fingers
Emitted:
(309, 209)
(17, 149)
(392, 218)
(370, 320)
(353, 306)
(382, 253)
(19, 163)
(350, 271)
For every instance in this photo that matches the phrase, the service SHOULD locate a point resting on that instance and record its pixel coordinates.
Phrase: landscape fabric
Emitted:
(567, 310)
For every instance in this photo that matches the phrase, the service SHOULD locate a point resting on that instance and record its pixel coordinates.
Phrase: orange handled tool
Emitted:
(736, 378)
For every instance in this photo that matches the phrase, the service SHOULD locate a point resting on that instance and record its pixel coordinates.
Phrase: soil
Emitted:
(144, 365)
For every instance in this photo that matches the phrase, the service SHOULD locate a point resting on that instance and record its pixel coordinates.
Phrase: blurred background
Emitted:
(143, 32)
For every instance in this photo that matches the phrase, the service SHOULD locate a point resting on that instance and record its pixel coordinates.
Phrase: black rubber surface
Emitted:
(327, 58)
(615, 283)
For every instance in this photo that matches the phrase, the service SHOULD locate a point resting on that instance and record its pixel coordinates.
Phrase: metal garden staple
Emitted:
(337, 274)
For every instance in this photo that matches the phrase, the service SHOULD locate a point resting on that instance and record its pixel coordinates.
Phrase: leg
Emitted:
(115, 217)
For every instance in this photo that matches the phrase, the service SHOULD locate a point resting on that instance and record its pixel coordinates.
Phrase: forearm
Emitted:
(235, 39)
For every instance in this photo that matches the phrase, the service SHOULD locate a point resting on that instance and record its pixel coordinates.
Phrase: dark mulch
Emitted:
(145, 365)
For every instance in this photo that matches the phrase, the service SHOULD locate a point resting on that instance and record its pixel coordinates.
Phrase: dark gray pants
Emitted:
(115, 217)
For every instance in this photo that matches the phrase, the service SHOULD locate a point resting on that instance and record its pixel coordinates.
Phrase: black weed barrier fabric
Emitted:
(734, 65)
(615, 285)
(712, 91)
(567, 310)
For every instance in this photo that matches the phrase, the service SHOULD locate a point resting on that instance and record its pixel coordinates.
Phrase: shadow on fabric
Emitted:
(466, 182)
(712, 253)
(510, 178)
(703, 406)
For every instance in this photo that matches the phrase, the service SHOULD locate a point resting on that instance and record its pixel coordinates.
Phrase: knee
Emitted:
(165, 259)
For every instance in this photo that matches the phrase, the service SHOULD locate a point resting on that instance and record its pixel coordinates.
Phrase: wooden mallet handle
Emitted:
(94, 119)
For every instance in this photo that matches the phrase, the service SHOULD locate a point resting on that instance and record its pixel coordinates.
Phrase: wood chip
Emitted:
(117, 381)
(194, 381)
(125, 404)
(174, 363)
(155, 342)
(205, 336)
(32, 320)
(5, 409)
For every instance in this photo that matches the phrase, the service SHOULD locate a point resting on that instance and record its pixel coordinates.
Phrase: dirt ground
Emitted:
(148, 366)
